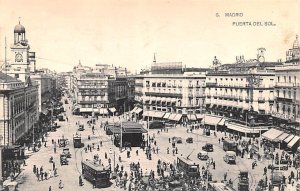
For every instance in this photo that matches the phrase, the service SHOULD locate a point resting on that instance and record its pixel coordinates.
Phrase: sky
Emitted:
(128, 33)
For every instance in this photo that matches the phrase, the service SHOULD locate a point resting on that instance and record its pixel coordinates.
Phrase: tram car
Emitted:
(188, 167)
(77, 141)
(92, 171)
(243, 184)
(229, 145)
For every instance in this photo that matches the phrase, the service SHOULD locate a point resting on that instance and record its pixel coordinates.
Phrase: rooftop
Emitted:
(4, 78)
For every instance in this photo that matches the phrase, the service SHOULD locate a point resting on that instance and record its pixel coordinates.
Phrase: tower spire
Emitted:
(154, 59)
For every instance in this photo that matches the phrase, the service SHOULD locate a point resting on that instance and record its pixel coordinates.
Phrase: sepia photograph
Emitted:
(149, 95)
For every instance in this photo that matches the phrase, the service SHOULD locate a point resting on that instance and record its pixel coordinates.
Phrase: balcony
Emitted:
(287, 84)
(190, 86)
(261, 100)
(148, 85)
(200, 95)
(241, 98)
(211, 84)
(91, 87)
(139, 84)
(92, 94)
(190, 95)
(282, 99)
(159, 94)
(198, 86)
(138, 93)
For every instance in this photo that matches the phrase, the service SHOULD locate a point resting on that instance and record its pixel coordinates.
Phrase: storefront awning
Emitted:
(159, 114)
(199, 116)
(211, 120)
(282, 137)
(103, 111)
(177, 117)
(85, 110)
(192, 117)
(134, 109)
(172, 116)
(149, 113)
(271, 134)
(289, 138)
(293, 141)
(244, 128)
(138, 110)
(222, 122)
(112, 109)
(167, 115)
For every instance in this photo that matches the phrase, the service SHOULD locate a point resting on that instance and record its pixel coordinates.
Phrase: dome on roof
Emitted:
(19, 29)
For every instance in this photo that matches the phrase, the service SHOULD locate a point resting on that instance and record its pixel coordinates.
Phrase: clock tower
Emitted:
(20, 63)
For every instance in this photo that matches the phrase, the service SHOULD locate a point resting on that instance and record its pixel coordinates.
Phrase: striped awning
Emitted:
(177, 117)
(212, 120)
(272, 134)
(172, 116)
(192, 117)
(293, 141)
(167, 115)
(282, 137)
(289, 138)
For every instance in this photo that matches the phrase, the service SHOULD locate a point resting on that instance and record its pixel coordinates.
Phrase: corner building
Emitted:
(286, 111)
(170, 92)
(240, 97)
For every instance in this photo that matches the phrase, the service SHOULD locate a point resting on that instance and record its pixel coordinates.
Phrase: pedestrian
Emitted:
(38, 176)
(137, 152)
(50, 189)
(34, 169)
(80, 181)
(169, 140)
(55, 172)
(46, 175)
(60, 184)
(168, 151)
(50, 173)
(94, 182)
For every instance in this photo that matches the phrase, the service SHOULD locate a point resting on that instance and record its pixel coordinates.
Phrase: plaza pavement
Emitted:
(69, 173)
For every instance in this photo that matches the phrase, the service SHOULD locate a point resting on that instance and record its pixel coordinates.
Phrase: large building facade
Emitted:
(19, 109)
(243, 94)
(170, 93)
(286, 111)
(102, 89)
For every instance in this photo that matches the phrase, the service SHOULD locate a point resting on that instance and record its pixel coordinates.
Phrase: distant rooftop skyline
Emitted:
(127, 34)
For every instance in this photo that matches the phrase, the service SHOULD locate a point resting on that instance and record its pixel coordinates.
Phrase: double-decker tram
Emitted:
(96, 173)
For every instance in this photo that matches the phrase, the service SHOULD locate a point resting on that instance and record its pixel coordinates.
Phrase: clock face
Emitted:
(19, 57)
(261, 59)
